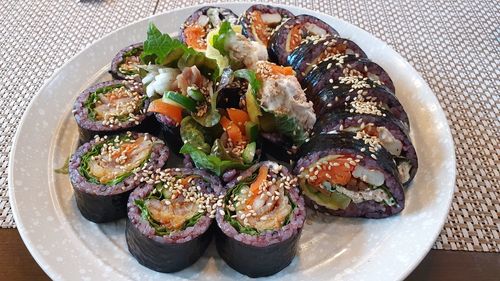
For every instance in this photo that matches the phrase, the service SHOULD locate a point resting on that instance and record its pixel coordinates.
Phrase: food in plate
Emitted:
(330, 70)
(369, 119)
(226, 97)
(259, 22)
(351, 175)
(295, 31)
(195, 29)
(111, 107)
(125, 64)
(105, 170)
(261, 220)
(169, 218)
(358, 88)
(312, 52)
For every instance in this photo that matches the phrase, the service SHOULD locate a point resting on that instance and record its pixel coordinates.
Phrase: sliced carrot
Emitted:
(234, 133)
(295, 37)
(284, 70)
(238, 116)
(254, 187)
(338, 173)
(225, 122)
(185, 181)
(126, 148)
(195, 35)
(259, 28)
(172, 111)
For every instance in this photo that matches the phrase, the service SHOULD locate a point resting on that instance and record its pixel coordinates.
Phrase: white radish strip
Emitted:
(271, 18)
(373, 177)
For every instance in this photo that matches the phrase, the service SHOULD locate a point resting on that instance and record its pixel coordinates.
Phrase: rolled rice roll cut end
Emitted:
(261, 220)
(105, 170)
(169, 219)
(344, 175)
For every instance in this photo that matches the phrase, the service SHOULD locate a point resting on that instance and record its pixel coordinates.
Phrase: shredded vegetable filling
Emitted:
(177, 202)
(262, 203)
(115, 159)
(337, 180)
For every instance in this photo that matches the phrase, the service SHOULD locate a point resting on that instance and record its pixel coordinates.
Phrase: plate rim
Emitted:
(35, 253)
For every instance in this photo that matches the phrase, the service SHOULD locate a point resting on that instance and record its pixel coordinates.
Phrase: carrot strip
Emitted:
(194, 35)
(172, 111)
(238, 116)
(339, 172)
(254, 187)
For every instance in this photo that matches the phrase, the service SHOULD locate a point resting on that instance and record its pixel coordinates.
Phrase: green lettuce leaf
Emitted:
(195, 134)
(219, 40)
(161, 49)
(210, 162)
(290, 127)
(250, 76)
(212, 116)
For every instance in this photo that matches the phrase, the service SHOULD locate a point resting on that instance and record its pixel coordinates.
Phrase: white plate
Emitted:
(66, 245)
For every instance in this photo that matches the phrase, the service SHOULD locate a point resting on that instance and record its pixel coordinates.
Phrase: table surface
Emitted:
(16, 263)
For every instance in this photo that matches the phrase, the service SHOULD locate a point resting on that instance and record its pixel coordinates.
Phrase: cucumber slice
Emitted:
(249, 152)
(253, 107)
(334, 201)
(179, 100)
(195, 94)
(251, 131)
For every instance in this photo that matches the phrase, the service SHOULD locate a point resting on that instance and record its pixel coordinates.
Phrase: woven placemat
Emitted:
(453, 44)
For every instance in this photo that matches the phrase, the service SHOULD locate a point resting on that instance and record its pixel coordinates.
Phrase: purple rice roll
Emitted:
(124, 65)
(103, 172)
(195, 29)
(368, 118)
(261, 220)
(294, 32)
(312, 52)
(169, 131)
(351, 88)
(331, 69)
(260, 21)
(112, 107)
(169, 218)
(348, 175)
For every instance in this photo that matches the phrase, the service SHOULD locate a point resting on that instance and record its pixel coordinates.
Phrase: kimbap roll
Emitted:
(358, 88)
(284, 114)
(105, 170)
(260, 21)
(169, 218)
(195, 29)
(125, 64)
(329, 71)
(368, 118)
(349, 175)
(260, 221)
(111, 107)
(294, 32)
(230, 148)
(311, 53)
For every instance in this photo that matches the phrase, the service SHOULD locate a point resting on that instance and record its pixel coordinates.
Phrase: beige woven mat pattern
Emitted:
(455, 45)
